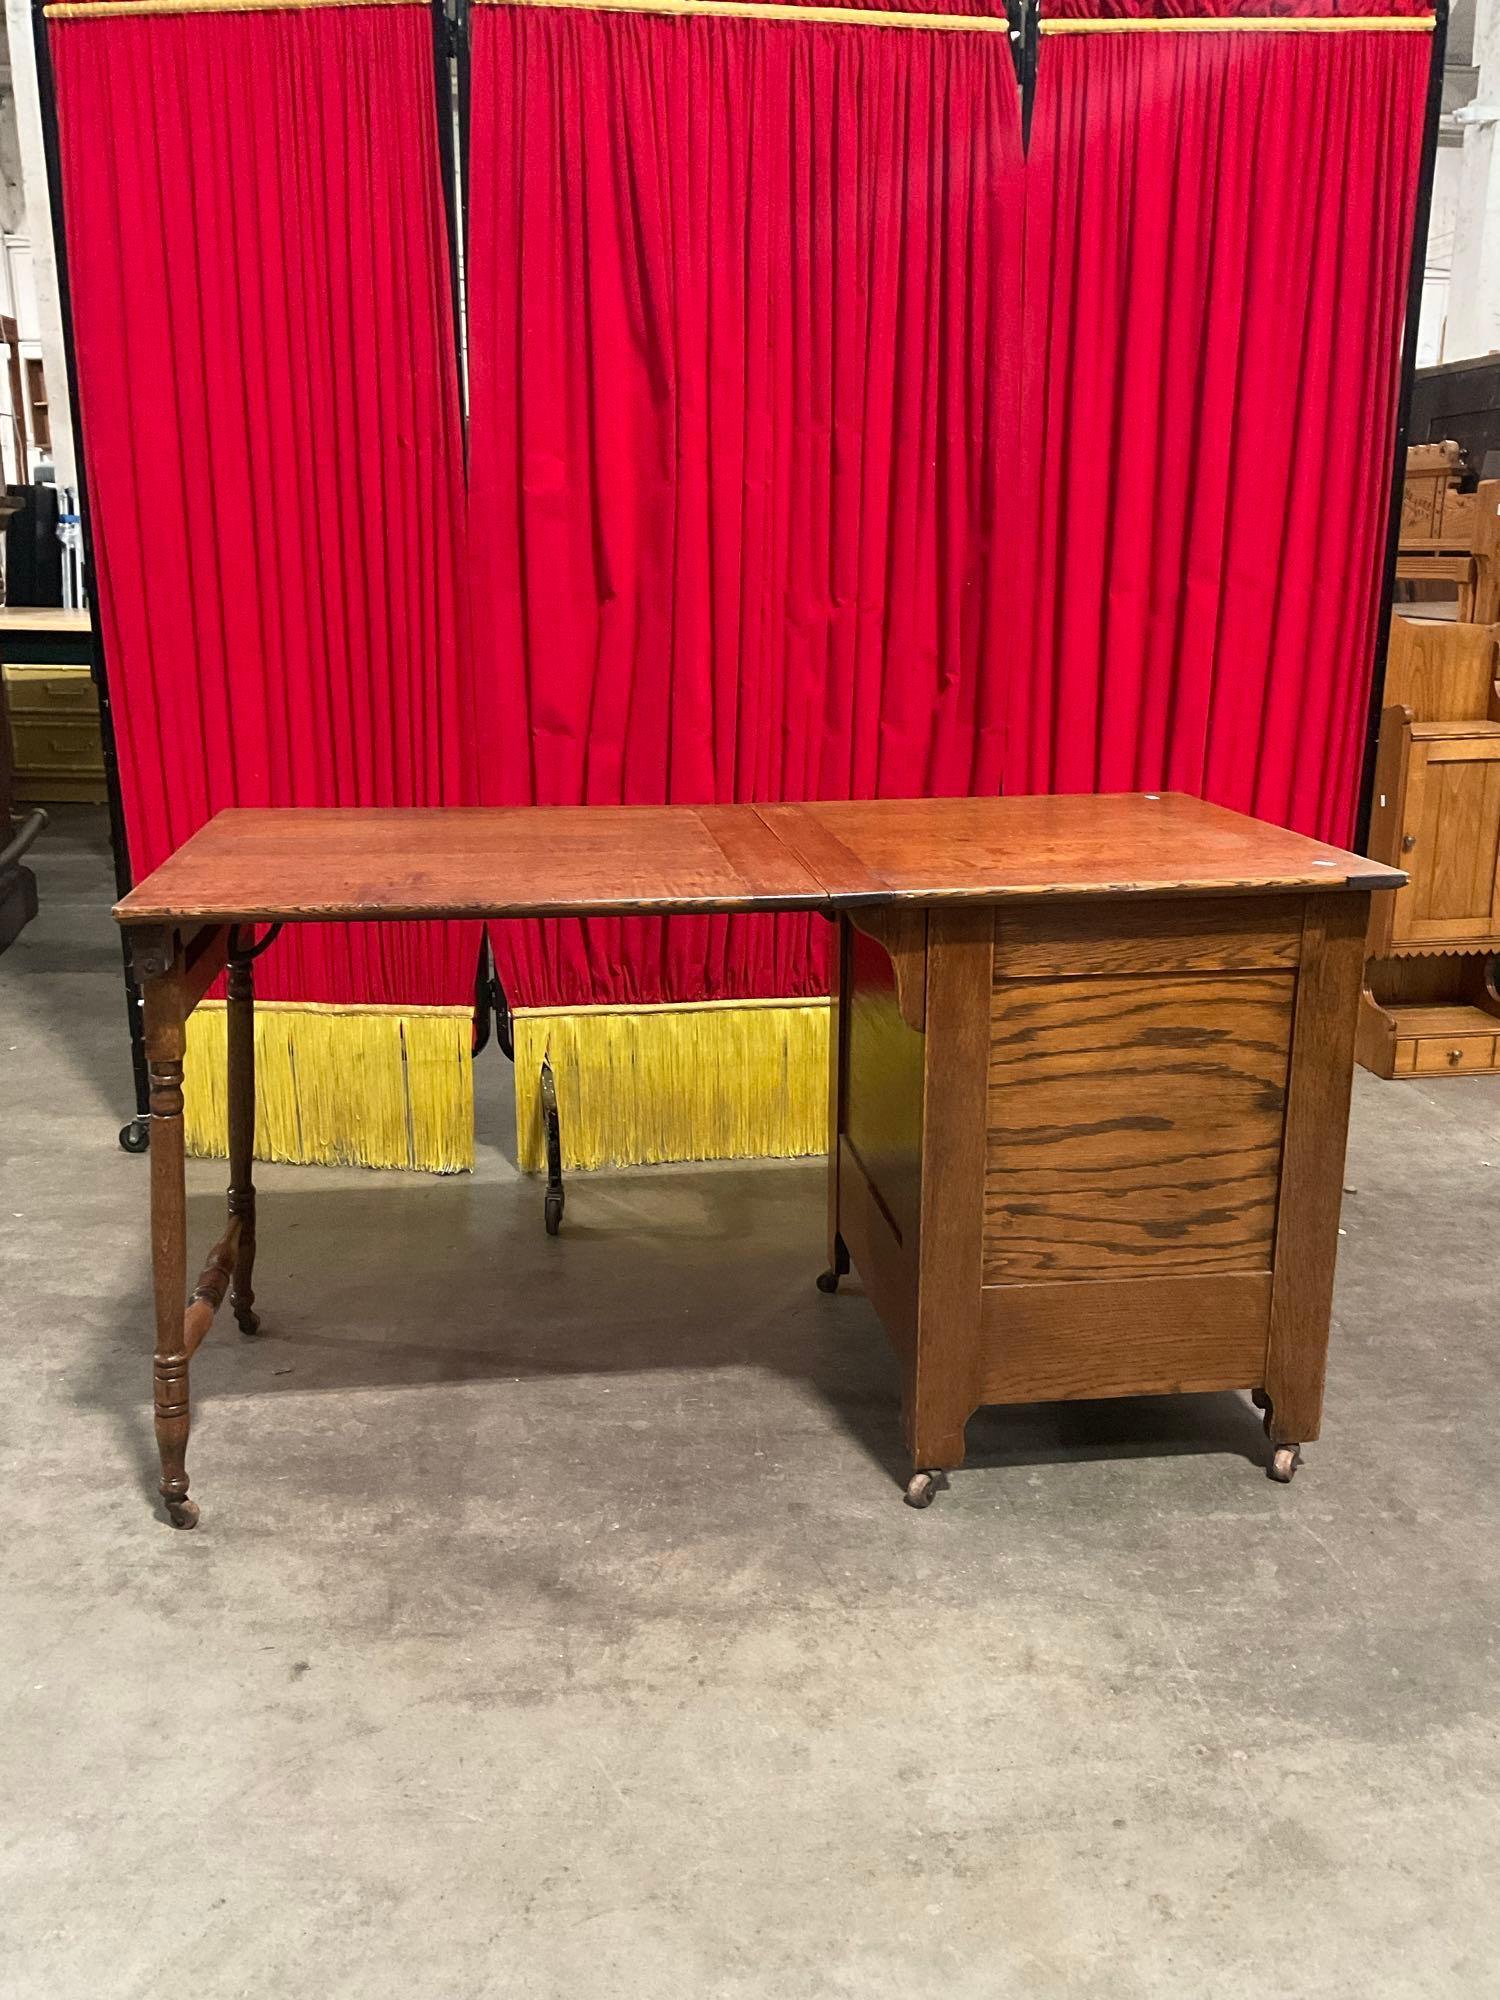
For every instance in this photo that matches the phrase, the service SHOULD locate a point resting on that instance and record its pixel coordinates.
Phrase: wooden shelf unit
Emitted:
(1430, 1005)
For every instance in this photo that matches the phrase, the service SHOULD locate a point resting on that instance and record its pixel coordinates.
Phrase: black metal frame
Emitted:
(1024, 17)
(447, 41)
(135, 1134)
(1410, 331)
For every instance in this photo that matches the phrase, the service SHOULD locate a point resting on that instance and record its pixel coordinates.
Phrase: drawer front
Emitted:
(65, 745)
(1438, 1055)
(50, 691)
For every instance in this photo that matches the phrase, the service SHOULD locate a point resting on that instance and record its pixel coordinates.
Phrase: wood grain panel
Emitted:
(1312, 1178)
(1441, 672)
(1062, 940)
(1452, 819)
(882, 1107)
(993, 850)
(358, 863)
(886, 1265)
(1124, 1337)
(1135, 1124)
(960, 954)
(838, 1028)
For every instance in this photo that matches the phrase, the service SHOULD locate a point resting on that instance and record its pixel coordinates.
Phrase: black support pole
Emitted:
(134, 1134)
(1403, 418)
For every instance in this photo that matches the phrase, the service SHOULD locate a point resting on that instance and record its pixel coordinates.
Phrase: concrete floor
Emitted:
(555, 1628)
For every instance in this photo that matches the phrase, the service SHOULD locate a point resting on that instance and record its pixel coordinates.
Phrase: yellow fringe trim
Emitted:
(722, 1080)
(340, 1086)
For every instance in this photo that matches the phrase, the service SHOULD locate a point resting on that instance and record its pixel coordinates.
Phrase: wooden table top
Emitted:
(341, 862)
(1112, 844)
(348, 863)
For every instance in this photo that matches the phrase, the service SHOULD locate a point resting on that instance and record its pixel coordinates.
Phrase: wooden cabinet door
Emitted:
(1450, 843)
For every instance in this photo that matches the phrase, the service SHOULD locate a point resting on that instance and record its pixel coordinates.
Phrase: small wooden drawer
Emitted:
(50, 691)
(66, 744)
(1453, 1054)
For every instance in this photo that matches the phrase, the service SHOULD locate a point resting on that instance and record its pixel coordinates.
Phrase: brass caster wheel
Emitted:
(922, 1488)
(1284, 1462)
(828, 1281)
(248, 1322)
(183, 1513)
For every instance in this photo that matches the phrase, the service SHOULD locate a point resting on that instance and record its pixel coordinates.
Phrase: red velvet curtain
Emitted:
(1217, 249)
(822, 444)
(259, 264)
(743, 312)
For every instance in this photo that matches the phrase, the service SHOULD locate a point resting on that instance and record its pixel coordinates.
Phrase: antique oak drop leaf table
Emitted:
(1089, 1065)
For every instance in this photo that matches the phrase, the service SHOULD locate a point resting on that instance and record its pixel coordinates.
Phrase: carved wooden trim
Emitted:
(901, 932)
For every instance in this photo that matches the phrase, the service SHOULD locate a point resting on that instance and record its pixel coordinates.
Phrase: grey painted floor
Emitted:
(555, 1628)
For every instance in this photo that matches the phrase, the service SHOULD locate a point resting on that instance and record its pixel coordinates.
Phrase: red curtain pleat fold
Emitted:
(1218, 241)
(261, 298)
(743, 317)
(822, 444)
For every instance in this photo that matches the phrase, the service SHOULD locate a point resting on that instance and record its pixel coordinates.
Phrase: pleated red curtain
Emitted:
(743, 311)
(820, 444)
(1218, 238)
(261, 303)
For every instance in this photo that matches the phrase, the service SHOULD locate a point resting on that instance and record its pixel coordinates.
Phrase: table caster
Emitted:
(136, 1136)
(922, 1488)
(552, 1210)
(248, 1322)
(1284, 1462)
(183, 1513)
(828, 1281)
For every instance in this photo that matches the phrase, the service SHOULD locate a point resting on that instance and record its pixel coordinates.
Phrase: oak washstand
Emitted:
(1091, 1063)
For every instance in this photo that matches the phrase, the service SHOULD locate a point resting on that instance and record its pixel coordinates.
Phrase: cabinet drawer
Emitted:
(1446, 1054)
(63, 744)
(50, 691)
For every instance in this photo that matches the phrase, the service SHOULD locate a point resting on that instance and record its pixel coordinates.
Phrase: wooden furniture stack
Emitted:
(1090, 1066)
(1430, 1005)
(1449, 536)
(56, 750)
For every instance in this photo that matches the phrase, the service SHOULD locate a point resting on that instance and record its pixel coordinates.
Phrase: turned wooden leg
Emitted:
(242, 1138)
(164, 1046)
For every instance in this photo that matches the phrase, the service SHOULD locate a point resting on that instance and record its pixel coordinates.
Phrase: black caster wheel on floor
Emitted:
(828, 1281)
(1284, 1462)
(182, 1513)
(136, 1136)
(552, 1210)
(248, 1322)
(922, 1488)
